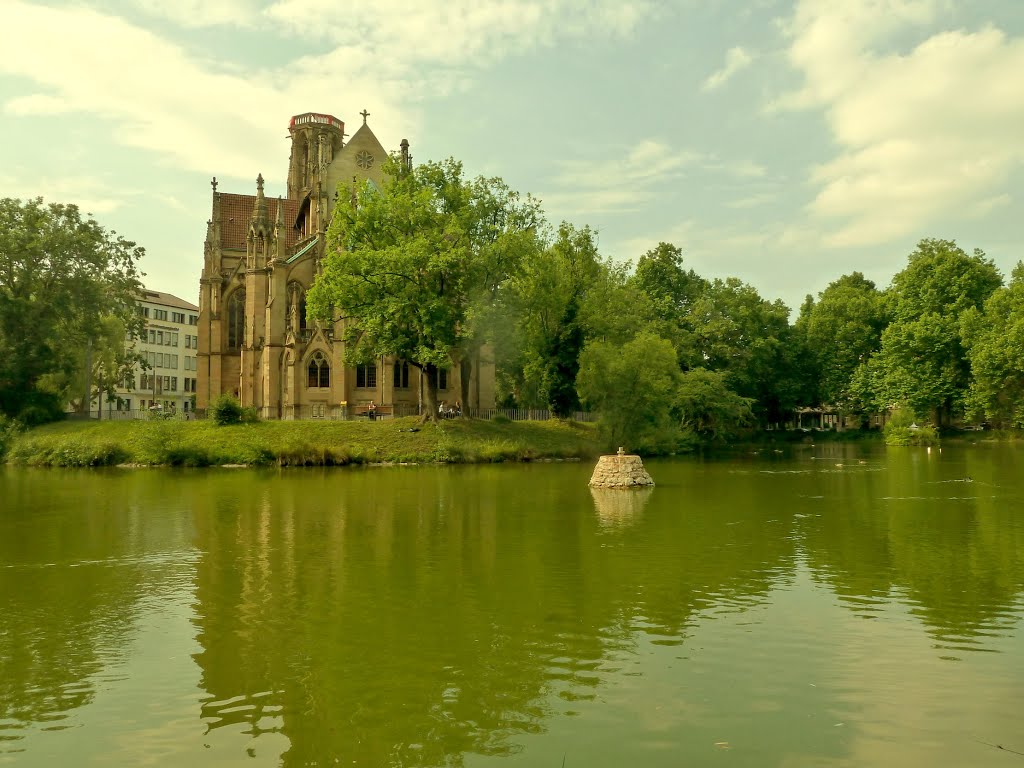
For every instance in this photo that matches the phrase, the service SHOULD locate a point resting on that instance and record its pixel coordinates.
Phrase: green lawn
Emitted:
(299, 443)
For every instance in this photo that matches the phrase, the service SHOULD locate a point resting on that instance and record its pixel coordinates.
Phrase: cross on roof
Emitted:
(365, 115)
(214, 183)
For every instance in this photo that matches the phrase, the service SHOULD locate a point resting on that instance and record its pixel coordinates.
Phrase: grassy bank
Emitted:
(303, 443)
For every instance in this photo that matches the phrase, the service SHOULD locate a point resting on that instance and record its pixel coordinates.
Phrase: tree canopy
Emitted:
(412, 269)
(63, 278)
(921, 361)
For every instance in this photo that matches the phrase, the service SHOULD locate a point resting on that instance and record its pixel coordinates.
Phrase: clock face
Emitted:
(364, 159)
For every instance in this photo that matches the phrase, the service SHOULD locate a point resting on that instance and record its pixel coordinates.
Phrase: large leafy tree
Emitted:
(673, 292)
(995, 349)
(551, 303)
(413, 269)
(62, 277)
(708, 407)
(922, 362)
(750, 340)
(633, 388)
(841, 330)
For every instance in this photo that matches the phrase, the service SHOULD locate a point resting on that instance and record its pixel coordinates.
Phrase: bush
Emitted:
(226, 410)
(250, 415)
(902, 429)
(8, 429)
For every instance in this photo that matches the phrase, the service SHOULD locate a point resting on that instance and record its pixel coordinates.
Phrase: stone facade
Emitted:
(261, 255)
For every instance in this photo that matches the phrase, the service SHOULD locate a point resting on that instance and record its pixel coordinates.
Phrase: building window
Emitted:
(193, 319)
(401, 380)
(319, 371)
(366, 376)
(236, 319)
(129, 381)
(178, 317)
(159, 314)
(440, 378)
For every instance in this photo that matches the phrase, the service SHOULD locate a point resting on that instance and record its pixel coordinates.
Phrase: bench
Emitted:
(377, 413)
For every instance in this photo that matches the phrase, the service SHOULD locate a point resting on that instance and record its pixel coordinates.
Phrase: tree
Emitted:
(708, 407)
(105, 363)
(921, 361)
(633, 388)
(672, 292)
(61, 278)
(994, 340)
(550, 294)
(842, 330)
(412, 269)
(750, 340)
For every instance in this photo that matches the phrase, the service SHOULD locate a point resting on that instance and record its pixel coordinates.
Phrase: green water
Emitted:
(829, 606)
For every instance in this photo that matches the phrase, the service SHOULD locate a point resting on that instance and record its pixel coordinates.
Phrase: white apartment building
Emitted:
(169, 345)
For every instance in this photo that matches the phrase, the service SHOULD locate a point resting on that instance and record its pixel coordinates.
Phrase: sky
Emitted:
(784, 142)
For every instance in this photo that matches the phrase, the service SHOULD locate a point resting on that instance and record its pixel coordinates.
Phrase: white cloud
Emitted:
(924, 133)
(736, 59)
(205, 115)
(92, 195)
(37, 104)
(453, 32)
(204, 13)
(621, 182)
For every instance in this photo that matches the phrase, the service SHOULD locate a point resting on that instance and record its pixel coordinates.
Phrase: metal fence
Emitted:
(340, 413)
(136, 414)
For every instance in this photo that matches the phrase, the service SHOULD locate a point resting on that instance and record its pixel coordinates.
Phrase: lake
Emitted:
(829, 605)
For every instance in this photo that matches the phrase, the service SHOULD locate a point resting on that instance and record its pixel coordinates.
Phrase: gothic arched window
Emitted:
(236, 319)
(319, 371)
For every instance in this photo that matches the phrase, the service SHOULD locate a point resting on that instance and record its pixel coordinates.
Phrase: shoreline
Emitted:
(389, 442)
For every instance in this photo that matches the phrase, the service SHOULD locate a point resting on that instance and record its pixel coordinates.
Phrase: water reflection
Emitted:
(618, 508)
(72, 563)
(419, 616)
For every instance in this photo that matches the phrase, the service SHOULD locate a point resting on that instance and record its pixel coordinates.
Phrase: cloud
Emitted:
(455, 31)
(923, 133)
(736, 59)
(193, 14)
(621, 182)
(92, 195)
(205, 115)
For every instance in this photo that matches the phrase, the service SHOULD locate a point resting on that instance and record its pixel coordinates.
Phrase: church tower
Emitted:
(316, 139)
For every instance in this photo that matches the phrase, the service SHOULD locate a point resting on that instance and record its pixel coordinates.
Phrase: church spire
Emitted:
(259, 208)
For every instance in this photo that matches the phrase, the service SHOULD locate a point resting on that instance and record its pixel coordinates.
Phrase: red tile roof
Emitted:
(236, 211)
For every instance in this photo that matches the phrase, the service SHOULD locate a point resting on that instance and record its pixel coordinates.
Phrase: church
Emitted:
(260, 257)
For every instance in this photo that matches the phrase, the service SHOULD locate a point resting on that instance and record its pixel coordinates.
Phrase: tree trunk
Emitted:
(429, 373)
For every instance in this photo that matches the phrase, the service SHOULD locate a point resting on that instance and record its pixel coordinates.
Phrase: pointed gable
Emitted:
(362, 157)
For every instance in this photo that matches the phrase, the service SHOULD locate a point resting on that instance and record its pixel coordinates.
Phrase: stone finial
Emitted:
(213, 183)
(621, 451)
(365, 115)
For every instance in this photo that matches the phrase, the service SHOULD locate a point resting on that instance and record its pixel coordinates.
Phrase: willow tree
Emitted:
(412, 269)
